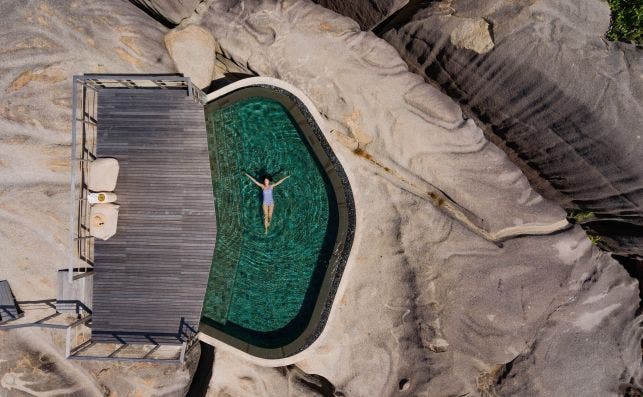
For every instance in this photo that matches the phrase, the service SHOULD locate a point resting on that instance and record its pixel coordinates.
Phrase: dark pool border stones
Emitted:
(346, 220)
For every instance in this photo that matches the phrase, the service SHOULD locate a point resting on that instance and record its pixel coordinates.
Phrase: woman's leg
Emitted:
(271, 208)
(266, 217)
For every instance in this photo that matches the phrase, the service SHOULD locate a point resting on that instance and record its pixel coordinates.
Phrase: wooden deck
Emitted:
(150, 278)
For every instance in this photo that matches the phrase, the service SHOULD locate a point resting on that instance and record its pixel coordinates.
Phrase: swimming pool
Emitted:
(269, 294)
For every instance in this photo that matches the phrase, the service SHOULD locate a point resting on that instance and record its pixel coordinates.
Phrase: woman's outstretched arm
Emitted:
(254, 180)
(281, 180)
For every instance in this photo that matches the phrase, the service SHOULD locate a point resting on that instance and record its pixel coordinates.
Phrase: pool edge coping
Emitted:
(339, 290)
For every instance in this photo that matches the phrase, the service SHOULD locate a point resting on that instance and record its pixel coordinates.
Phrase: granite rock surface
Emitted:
(426, 306)
(561, 100)
(168, 12)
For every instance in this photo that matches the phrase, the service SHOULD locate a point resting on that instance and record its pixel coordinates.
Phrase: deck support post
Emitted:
(182, 357)
(68, 342)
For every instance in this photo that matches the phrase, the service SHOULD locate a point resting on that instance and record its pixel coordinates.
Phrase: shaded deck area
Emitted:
(150, 278)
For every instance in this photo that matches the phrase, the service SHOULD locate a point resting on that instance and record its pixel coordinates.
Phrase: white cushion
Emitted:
(103, 219)
(102, 174)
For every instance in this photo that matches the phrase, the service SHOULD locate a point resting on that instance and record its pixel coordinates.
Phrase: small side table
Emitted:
(101, 197)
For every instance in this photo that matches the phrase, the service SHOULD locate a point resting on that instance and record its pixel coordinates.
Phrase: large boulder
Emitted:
(193, 50)
(472, 34)
(426, 306)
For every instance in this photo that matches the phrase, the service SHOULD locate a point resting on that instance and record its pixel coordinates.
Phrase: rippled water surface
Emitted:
(261, 284)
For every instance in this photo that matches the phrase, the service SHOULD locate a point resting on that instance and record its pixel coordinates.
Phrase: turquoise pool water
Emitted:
(262, 287)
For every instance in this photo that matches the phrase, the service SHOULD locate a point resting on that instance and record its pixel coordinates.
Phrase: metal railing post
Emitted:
(72, 223)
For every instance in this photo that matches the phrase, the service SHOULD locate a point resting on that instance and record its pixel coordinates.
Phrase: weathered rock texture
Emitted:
(560, 99)
(168, 12)
(427, 306)
(235, 377)
(45, 43)
(367, 13)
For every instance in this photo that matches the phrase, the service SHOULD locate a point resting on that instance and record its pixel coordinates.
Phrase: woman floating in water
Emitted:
(268, 202)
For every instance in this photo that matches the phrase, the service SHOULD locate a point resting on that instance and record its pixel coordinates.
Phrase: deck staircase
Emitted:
(9, 309)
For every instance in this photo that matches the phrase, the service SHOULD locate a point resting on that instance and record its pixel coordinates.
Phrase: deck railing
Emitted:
(83, 149)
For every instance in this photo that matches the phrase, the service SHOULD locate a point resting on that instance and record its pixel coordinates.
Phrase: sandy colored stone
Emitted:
(472, 34)
(427, 306)
(193, 50)
(41, 75)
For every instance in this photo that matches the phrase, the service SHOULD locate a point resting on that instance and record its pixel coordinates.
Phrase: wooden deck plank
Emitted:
(154, 271)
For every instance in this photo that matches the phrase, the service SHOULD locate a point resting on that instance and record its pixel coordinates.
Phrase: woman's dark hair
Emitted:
(264, 174)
